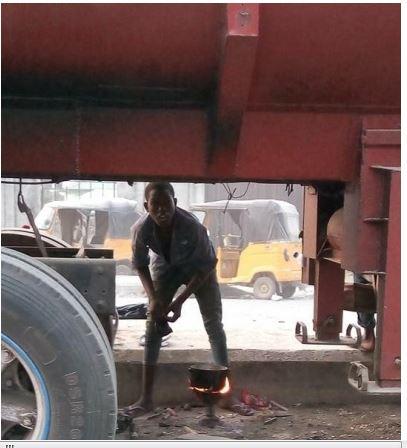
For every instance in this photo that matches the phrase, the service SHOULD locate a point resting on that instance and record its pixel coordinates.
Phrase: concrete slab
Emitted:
(265, 356)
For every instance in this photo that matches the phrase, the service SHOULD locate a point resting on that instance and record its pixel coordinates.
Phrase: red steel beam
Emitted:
(366, 199)
(112, 143)
(103, 143)
(238, 57)
(328, 299)
(387, 369)
(310, 223)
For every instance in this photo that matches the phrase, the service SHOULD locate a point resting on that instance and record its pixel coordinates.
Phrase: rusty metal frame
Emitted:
(359, 379)
(238, 55)
(388, 351)
(301, 334)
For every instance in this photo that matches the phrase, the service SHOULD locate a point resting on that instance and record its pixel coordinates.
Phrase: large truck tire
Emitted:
(42, 267)
(13, 236)
(53, 335)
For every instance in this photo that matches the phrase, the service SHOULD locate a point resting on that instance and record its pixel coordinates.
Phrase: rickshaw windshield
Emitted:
(95, 220)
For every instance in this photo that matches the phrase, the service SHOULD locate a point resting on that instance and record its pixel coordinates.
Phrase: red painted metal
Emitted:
(276, 80)
(78, 49)
(235, 76)
(388, 343)
(333, 55)
(311, 229)
(328, 299)
(308, 272)
(201, 92)
(385, 137)
(125, 143)
(111, 143)
(329, 56)
(367, 199)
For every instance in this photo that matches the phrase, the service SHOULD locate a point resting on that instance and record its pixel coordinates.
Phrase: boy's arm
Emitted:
(140, 262)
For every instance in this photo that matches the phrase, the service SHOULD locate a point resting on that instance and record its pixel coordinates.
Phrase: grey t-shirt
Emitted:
(190, 252)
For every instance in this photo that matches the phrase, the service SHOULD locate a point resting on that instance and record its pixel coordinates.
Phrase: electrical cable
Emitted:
(231, 194)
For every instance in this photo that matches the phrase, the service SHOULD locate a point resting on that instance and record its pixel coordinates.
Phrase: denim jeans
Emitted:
(366, 320)
(210, 305)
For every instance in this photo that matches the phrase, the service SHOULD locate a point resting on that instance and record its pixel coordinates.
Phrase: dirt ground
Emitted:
(348, 422)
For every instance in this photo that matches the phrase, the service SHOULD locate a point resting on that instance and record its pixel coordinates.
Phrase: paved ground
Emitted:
(249, 323)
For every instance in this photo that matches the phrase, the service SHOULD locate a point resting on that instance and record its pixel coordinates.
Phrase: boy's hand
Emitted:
(175, 307)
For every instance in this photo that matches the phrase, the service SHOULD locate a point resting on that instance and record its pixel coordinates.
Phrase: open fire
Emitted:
(225, 389)
(210, 382)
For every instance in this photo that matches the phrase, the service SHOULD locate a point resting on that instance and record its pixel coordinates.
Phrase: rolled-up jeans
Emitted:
(366, 320)
(210, 305)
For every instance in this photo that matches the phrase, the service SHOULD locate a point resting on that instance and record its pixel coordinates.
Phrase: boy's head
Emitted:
(160, 202)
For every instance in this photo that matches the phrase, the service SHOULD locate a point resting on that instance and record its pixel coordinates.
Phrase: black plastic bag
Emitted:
(133, 311)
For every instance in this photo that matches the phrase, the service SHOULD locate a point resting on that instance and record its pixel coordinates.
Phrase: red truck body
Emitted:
(304, 93)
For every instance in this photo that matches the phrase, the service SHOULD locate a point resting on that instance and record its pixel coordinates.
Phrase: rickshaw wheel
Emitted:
(264, 288)
(287, 291)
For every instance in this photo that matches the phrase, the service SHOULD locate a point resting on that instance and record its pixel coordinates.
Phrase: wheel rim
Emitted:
(23, 389)
(264, 288)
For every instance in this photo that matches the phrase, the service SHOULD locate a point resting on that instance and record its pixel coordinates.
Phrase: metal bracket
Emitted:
(23, 207)
(95, 279)
(301, 333)
(358, 378)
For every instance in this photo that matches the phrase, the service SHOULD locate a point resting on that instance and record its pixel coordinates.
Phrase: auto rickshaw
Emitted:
(100, 224)
(257, 243)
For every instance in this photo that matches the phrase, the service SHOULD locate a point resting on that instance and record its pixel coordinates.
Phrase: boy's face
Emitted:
(161, 207)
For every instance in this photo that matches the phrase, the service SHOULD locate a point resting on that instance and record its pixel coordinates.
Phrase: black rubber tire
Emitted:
(264, 287)
(61, 335)
(37, 264)
(287, 291)
(26, 237)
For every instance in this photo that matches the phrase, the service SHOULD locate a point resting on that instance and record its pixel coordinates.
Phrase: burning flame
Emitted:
(201, 389)
(225, 389)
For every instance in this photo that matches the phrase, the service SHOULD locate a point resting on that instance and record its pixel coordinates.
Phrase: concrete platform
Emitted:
(265, 356)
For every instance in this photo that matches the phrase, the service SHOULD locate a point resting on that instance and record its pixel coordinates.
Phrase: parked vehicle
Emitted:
(98, 224)
(257, 243)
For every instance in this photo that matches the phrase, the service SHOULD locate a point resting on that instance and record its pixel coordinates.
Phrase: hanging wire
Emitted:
(231, 194)
(20, 194)
(244, 194)
(289, 188)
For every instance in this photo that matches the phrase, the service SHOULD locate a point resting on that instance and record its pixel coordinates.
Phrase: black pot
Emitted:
(208, 376)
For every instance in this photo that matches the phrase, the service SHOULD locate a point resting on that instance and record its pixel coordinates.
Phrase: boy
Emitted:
(181, 255)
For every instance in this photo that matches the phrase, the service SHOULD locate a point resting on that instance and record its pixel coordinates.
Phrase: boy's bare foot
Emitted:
(369, 341)
(138, 408)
